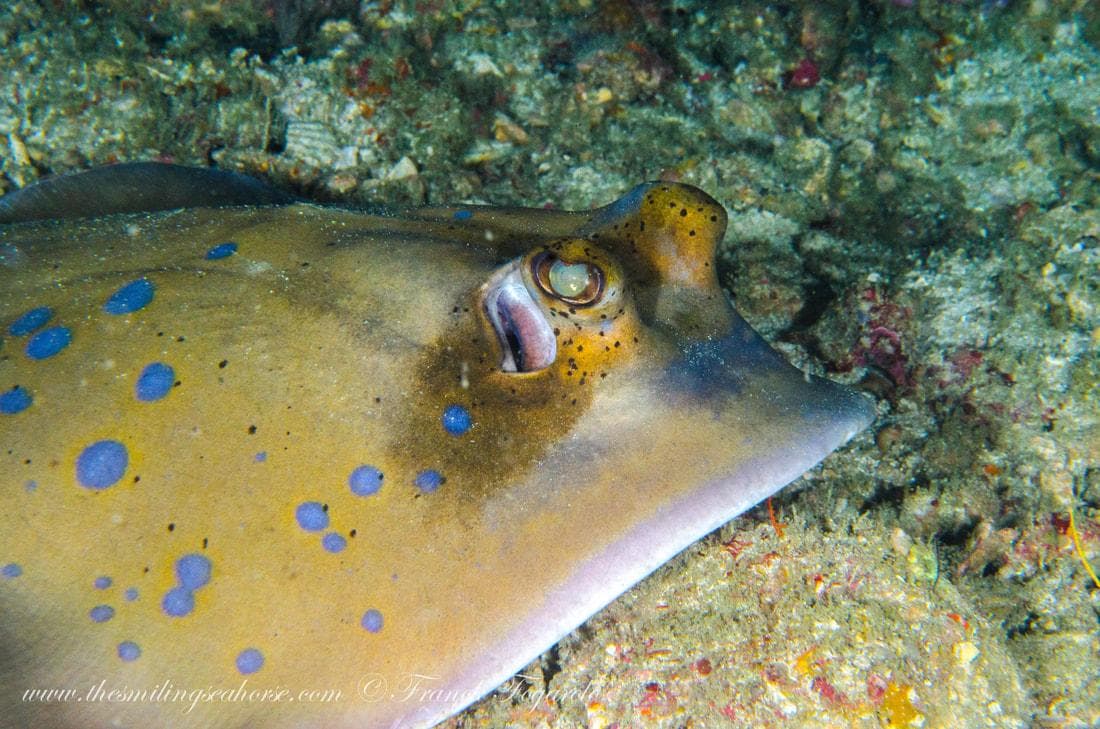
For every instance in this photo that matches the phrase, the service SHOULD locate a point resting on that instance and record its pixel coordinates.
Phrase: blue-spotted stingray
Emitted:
(251, 446)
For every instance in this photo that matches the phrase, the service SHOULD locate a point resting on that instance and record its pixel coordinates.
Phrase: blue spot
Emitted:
(128, 651)
(133, 296)
(101, 464)
(10, 571)
(429, 480)
(222, 250)
(30, 321)
(154, 382)
(261, 457)
(249, 661)
(101, 613)
(311, 516)
(30, 486)
(457, 420)
(178, 602)
(102, 583)
(15, 400)
(333, 542)
(48, 342)
(365, 480)
(193, 571)
(131, 594)
(372, 621)
(463, 214)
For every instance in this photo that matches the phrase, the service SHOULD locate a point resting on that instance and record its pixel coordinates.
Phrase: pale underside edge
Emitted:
(598, 581)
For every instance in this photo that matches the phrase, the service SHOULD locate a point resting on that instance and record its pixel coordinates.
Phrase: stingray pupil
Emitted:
(569, 280)
(578, 284)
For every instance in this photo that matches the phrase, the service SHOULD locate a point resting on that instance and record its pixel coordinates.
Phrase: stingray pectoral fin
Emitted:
(135, 187)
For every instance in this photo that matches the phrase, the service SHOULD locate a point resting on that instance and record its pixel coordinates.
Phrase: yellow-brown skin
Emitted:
(343, 338)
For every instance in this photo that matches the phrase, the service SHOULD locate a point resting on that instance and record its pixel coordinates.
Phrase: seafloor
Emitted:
(914, 209)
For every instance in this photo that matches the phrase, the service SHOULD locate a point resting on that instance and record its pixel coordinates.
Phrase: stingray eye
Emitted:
(579, 284)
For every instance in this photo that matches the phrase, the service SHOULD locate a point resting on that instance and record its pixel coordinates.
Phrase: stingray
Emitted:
(252, 448)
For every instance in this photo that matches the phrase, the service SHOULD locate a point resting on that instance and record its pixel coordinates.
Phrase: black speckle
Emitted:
(252, 430)
(222, 364)
(352, 534)
(137, 479)
(181, 339)
(177, 383)
(172, 527)
(683, 212)
(204, 542)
